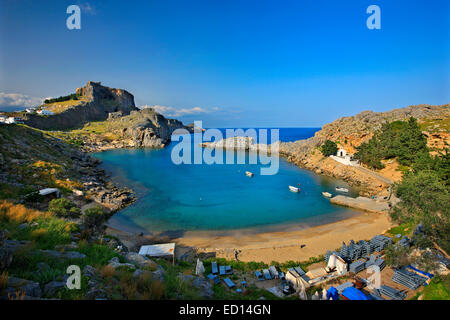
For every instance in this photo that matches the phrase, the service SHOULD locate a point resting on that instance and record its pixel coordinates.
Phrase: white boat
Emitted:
(341, 189)
(249, 174)
(327, 194)
(294, 189)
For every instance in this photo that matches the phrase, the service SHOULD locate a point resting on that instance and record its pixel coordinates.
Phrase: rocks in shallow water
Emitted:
(53, 287)
(115, 263)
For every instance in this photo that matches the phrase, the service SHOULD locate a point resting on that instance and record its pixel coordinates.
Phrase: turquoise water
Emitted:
(217, 197)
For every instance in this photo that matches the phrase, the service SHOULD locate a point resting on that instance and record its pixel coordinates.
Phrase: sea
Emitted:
(218, 197)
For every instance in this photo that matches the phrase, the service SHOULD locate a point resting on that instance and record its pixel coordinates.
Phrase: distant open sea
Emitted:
(218, 197)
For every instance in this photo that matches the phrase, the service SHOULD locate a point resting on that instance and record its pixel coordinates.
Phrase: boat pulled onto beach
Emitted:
(341, 189)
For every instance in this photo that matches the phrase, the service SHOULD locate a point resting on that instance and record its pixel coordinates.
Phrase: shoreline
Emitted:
(280, 246)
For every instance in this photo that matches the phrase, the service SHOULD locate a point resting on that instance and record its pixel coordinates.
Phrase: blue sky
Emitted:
(231, 63)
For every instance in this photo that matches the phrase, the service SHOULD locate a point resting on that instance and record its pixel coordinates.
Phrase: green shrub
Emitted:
(63, 207)
(397, 256)
(329, 148)
(93, 217)
(438, 289)
(424, 196)
(73, 96)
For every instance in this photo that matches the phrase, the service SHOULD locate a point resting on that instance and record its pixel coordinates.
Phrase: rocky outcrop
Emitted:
(140, 129)
(350, 132)
(96, 103)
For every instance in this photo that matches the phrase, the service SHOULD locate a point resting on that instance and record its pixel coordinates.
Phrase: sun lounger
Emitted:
(214, 267)
(211, 276)
(228, 270)
(222, 270)
(216, 280)
(229, 283)
(267, 274)
(259, 275)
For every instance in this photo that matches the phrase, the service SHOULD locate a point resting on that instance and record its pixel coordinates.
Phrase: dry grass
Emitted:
(58, 107)
(140, 288)
(107, 271)
(155, 291)
(19, 213)
(18, 295)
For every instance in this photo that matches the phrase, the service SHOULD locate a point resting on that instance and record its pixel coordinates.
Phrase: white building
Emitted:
(338, 264)
(44, 112)
(2, 119)
(296, 280)
(30, 110)
(342, 156)
(342, 153)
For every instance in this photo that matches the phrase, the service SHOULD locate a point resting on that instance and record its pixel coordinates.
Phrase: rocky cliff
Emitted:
(95, 104)
(140, 129)
(350, 132)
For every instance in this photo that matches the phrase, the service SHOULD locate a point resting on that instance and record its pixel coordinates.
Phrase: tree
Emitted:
(397, 256)
(424, 199)
(370, 153)
(93, 217)
(399, 139)
(329, 148)
(63, 207)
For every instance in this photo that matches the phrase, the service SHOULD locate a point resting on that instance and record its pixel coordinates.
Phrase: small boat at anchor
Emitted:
(249, 174)
(294, 189)
(327, 194)
(341, 189)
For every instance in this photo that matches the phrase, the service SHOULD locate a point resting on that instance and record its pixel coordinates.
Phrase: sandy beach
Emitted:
(278, 246)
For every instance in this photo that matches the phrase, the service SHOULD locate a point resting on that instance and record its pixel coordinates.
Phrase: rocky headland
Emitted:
(143, 128)
(95, 103)
(350, 132)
